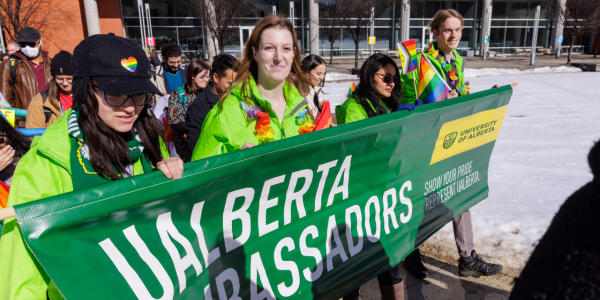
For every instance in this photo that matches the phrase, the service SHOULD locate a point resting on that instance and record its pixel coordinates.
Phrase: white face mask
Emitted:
(30, 52)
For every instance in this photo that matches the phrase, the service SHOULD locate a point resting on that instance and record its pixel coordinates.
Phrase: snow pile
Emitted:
(334, 76)
(540, 159)
(470, 73)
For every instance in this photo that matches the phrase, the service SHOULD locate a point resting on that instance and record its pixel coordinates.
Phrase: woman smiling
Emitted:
(266, 102)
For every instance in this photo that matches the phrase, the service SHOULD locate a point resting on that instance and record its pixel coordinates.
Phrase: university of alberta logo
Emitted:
(449, 139)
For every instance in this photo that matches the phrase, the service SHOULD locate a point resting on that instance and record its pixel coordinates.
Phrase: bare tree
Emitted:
(221, 17)
(330, 23)
(577, 16)
(39, 14)
(355, 17)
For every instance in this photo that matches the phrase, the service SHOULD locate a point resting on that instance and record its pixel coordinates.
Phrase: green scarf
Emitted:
(83, 173)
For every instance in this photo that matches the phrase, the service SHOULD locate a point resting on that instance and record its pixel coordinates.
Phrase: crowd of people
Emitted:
(109, 114)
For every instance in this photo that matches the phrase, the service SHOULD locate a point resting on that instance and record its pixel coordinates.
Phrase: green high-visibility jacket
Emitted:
(409, 95)
(43, 172)
(226, 127)
(351, 110)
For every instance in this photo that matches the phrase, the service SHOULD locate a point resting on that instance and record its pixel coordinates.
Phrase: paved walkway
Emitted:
(445, 284)
(510, 62)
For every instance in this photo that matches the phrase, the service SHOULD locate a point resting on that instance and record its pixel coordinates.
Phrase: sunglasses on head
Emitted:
(387, 78)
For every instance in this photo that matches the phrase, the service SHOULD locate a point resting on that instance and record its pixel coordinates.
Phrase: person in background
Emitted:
(108, 135)
(33, 68)
(378, 93)
(13, 145)
(198, 75)
(49, 105)
(315, 69)
(446, 27)
(171, 73)
(11, 48)
(224, 72)
(154, 59)
(270, 86)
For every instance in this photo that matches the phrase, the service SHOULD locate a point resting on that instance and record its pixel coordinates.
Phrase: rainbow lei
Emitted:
(263, 131)
(305, 122)
(450, 72)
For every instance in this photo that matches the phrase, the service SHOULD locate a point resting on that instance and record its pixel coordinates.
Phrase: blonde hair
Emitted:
(441, 16)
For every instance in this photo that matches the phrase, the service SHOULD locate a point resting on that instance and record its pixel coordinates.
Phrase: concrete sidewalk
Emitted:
(510, 62)
(444, 283)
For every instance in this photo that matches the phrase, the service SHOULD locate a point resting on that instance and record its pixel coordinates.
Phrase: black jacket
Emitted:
(197, 113)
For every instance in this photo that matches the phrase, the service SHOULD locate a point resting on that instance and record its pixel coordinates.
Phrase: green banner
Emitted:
(313, 216)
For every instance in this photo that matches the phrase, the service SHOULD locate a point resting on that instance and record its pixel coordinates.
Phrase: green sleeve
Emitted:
(21, 275)
(351, 112)
(408, 87)
(214, 136)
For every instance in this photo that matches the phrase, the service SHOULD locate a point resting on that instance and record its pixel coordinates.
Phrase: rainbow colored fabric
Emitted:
(352, 88)
(432, 87)
(408, 55)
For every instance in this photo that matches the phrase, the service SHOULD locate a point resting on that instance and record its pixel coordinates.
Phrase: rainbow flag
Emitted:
(404, 58)
(432, 87)
(411, 49)
(4, 189)
(352, 88)
(324, 119)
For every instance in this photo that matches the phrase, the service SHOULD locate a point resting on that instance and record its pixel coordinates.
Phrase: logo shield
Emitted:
(449, 139)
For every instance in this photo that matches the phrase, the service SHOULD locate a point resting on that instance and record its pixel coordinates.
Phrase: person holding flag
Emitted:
(378, 93)
(439, 75)
(108, 135)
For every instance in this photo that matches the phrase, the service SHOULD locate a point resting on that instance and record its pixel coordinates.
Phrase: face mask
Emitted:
(30, 52)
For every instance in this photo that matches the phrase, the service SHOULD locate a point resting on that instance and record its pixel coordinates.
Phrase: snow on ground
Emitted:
(334, 76)
(540, 158)
(470, 73)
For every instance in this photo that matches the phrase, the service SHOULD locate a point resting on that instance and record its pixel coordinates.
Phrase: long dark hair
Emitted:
(15, 139)
(109, 148)
(196, 67)
(366, 90)
(53, 91)
(308, 64)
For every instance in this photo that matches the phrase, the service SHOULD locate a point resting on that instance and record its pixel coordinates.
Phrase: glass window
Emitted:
(164, 36)
(129, 8)
(191, 42)
(517, 23)
(466, 9)
(348, 41)
(133, 33)
(417, 35)
(465, 41)
(498, 23)
(496, 37)
(514, 37)
(499, 10)
(324, 44)
(163, 9)
(131, 21)
(416, 23)
(519, 10)
(382, 42)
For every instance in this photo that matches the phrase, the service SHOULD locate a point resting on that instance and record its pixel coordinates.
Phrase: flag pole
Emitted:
(6, 213)
(415, 84)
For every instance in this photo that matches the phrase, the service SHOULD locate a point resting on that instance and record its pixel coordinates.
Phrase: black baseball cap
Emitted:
(28, 35)
(118, 65)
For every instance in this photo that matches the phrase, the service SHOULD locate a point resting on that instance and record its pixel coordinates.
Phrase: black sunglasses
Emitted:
(118, 100)
(25, 44)
(388, 78)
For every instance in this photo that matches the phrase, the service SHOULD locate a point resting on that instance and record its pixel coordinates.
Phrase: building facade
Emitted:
(510, 25)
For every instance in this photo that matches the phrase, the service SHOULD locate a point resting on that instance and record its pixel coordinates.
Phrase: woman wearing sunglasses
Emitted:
(108, 135)
(49, 105)
(378, 93)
